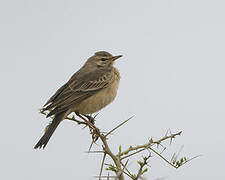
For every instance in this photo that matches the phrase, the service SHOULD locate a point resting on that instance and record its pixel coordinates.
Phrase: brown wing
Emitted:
(82, 85)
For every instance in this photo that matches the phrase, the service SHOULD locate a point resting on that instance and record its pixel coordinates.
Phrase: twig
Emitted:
(125, 168)
(106, 148)
(189, 160)
(170, 162)
(103, 160)
(162, 157)
(87, 122)
(95, 152)
(149, 144)
(106, 177)
(124, 157)
(109, 152)
(75, 120)
(142, 164)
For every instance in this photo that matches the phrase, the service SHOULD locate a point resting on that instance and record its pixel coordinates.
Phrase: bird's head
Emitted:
(102, 59)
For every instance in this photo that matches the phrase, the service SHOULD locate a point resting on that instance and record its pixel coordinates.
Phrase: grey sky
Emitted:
(172, 77)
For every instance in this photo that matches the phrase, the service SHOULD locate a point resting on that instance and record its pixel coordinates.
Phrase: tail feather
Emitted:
(52, 127)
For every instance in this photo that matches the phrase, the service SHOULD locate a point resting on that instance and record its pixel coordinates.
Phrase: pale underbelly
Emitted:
(98, 101)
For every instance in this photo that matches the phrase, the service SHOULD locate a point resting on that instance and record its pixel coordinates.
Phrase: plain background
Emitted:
(172, 77)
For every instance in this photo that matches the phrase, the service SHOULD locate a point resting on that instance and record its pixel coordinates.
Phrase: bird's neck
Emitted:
(117, 73)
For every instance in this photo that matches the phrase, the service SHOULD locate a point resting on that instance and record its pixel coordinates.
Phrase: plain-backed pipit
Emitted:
(90, 89)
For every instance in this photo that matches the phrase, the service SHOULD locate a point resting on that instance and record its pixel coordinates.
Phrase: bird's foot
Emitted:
(90, 119)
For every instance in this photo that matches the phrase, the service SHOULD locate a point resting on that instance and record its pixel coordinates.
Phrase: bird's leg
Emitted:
(90, 124)
(95, 135)
(90, 118)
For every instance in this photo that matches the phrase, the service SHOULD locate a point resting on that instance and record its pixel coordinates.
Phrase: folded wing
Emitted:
(80, 86)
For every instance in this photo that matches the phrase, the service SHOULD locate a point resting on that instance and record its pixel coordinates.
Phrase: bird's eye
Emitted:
(103, 59)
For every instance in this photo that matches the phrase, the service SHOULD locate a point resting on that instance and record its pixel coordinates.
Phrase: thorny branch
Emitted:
(119, 168)
(107, 151)
(146, 146)
(142, 164)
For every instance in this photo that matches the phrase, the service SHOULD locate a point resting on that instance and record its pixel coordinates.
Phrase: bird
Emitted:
(90, 89)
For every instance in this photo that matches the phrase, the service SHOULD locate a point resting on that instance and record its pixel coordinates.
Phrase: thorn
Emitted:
(118, 126)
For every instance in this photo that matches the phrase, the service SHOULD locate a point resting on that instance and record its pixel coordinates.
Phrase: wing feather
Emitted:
(80, 86)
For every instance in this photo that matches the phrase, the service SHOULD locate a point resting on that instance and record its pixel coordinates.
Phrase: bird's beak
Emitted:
(115, 57)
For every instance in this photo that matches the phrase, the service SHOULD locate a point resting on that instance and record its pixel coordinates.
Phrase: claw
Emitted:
(91, 119)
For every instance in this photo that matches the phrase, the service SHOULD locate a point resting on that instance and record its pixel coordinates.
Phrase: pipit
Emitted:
(89, 90)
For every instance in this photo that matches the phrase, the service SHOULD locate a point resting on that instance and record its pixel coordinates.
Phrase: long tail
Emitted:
(52, 127)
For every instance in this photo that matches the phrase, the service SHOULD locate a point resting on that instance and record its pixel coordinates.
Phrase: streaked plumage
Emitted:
(90, 89)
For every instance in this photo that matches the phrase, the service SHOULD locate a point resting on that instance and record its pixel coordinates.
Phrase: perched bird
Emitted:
(90, 89)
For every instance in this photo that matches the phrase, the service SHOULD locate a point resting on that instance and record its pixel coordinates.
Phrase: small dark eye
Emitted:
(103, 59)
